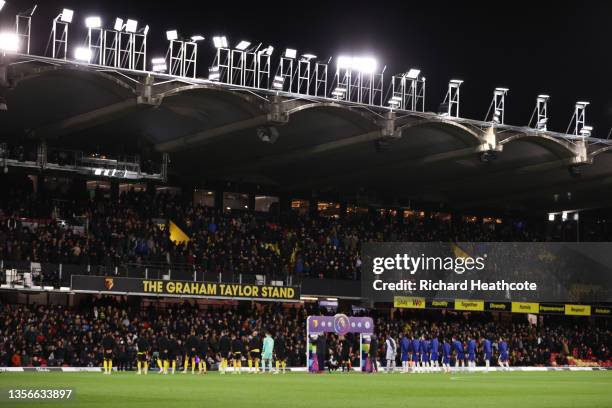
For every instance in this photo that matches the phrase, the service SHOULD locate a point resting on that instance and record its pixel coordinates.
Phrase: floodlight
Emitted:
(93, 22)
(543, 97)
(564, 216)
(308, 57)
(213, 73)
(541, 125)
(290, 53)
(268, 51)
(118, 24)
(576, 216)
(497, 115)
(586, 131)
(278, 82)
(501, 91)
(145, 30)
(9, 42)
(2, 3)
(364, 64)
(456, 81)
(82, 54)
(582, 104)
(171, 35)
(66, 15)
(243, 45)
(339, 92)
(345, 62)
(413, 73)
(551, 217)
(159, 64)
(131, 26)
(197, 38)
(220, 41)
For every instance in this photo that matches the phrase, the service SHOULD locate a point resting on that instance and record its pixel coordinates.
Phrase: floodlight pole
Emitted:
(540, 113)
(95, 42)
(453, 97)
(237, 67)
(126, 50)
(286, 71)
(250, 69)
(263, 70)
(110, 48)
(498, 105)
(303, 77)
(320, 79)
(222, 61)
(59, 32)
(580, 115)
(139, 51)
(23, 29)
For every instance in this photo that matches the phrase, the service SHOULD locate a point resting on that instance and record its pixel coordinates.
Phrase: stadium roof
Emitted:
(218, 132)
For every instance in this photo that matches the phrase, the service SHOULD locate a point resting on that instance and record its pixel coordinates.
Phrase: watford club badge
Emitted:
(108, 283)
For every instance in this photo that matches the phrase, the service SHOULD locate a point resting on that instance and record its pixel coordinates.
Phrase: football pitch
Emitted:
(494, 389)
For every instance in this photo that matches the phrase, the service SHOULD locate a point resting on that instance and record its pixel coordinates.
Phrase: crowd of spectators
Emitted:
(132, 229)
(54, 335)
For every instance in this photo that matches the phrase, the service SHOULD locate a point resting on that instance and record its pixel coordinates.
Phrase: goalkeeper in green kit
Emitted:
(266, 352)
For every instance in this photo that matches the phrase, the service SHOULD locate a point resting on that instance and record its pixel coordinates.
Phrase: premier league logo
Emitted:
(341, 324)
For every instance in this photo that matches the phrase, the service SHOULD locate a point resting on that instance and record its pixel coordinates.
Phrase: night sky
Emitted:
(559, 48)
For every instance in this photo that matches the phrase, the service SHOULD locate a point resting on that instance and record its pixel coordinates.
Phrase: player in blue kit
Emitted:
(487, 351)
(416, 353)
(471, 349)
(405, 347)
(435, 347)
(459, 353)
(503, 354)
(446, 356)
(424, 353)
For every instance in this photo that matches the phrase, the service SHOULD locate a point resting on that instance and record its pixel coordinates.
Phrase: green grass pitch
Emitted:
(494, 389)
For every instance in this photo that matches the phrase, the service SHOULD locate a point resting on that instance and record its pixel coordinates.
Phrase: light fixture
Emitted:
(93, 22)
(576, 217)
(197, 38)
(339, 92)
(586, 131)
(171, 35)
(497, 115)
(2, 3)
(413, 73)
(290, 53)
(118, 24)
(159, 64)
(541, 125)
(82, 54)
(564, 216)
(213, 73)
(145, 30)
(66, 15)
(131, 26)
(243, 45)
(308, 57)
(268, 50)
(9, 42)
(278, 82)
(366, 65)
(551, 217)
(456, 81)
(220, 41)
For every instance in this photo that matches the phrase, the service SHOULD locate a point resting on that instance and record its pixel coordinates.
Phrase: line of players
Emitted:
(167, 350)
(422, 354)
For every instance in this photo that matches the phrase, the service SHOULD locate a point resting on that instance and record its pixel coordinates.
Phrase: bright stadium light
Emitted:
(9, 42)
(66, 16)
(278, 83)
(220, 41)
(159, 64)
(82, 54)
(118, 24)
(213, 73)
(308, 57)
(93, 22)
(586, 131)
(345, 62)
(2, 3)
(243, 45)
(365, 64)
(413, 73)
(131, 26)
(171, 35)
(145, 30)
(197, 38)
(290, 53)
(551, 217)
(268, 50)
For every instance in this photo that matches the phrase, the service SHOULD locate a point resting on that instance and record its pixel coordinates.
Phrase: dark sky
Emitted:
(559, 48)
